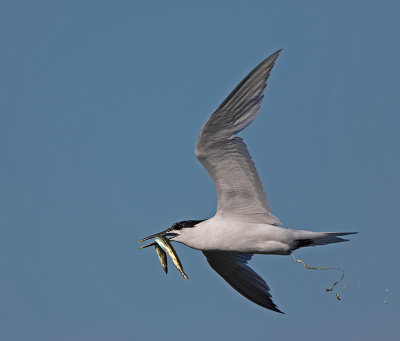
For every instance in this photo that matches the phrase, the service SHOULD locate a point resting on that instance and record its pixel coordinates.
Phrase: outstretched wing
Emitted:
(225, 156)
(232, 267)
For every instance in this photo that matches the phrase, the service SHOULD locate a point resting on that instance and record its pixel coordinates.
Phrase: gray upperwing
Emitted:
(225, 156)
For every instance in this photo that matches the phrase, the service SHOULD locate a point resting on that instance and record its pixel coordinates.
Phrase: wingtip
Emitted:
(271, 59)
(272, 308)
(276, 53)
(276, 309)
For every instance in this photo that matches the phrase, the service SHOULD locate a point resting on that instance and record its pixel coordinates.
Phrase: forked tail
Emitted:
(321, 238)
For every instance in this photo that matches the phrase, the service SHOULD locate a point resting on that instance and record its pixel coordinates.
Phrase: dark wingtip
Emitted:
(276, 53)
(277, 310)
(273, 57)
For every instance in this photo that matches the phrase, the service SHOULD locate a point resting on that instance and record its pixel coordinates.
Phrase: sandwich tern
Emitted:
(243, 224)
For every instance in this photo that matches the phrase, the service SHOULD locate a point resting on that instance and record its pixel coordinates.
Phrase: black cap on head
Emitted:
(184, 224)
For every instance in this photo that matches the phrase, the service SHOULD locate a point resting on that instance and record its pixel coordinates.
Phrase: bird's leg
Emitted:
(321, 268)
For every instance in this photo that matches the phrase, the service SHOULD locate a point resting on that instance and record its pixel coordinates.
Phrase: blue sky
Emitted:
(101, 104)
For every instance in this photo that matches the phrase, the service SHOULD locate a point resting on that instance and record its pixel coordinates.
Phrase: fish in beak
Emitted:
(163, 246)
(162, 257)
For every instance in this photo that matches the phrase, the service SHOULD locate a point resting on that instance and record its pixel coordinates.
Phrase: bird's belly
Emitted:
(236, 237)
(261, 247)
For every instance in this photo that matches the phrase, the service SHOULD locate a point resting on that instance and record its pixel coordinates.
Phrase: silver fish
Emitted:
(165, 244)
(162, 256)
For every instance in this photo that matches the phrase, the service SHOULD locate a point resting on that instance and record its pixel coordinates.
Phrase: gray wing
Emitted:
(232, 267)
(225, 156)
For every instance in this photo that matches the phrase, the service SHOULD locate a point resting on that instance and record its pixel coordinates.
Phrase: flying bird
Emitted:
(243, 224)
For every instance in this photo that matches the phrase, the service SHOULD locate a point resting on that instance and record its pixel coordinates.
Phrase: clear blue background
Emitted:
(101, 103)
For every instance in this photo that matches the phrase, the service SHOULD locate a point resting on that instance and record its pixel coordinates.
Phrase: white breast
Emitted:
(229, 234)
